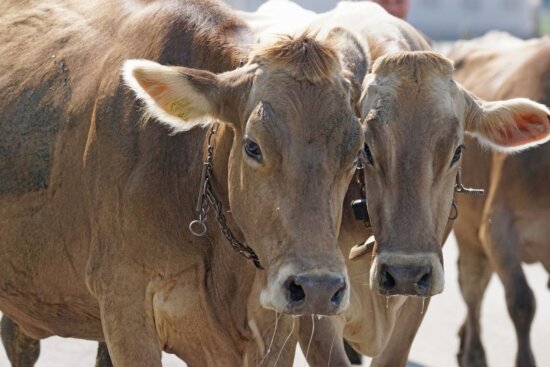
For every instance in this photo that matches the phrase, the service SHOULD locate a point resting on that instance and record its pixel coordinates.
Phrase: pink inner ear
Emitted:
(529, 128)
(154, 89)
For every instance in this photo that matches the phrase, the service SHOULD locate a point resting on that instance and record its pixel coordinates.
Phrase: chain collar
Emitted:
(207, 200)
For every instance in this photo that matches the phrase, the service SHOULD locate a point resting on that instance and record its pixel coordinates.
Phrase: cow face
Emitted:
(415, 117)
(295, 149)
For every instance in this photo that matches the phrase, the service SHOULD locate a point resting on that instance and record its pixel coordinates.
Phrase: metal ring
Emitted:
(454, 208)
(197, 228)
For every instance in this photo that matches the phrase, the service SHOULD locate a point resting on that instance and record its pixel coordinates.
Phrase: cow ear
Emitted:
(181, 98)
(509, 126)
(355, 60)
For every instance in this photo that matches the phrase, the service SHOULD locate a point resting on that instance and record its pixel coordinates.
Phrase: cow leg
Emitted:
(500, 238)
(353, 356)
(396, 352)
(129, 329)
(103, 359)
(474, 273)
(321, 340)
(22, 351)
(274, 339)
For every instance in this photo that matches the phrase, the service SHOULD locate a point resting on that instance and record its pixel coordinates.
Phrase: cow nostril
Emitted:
(424, 282)
(296, 292)
(387, 281)
(337, 297)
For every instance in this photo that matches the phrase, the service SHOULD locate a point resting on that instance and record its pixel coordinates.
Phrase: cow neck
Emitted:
(211, 199)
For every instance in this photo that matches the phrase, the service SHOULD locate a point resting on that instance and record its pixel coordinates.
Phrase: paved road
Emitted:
(435, 345)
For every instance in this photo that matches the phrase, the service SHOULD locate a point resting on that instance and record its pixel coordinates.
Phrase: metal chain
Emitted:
(361, 180)
(207, 199)
(360, 170)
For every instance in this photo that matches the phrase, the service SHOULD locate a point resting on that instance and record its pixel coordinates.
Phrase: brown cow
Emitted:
(509, 224)
(415, 117)
(94, 210)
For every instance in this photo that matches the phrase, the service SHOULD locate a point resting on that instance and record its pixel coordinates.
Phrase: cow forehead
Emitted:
(422, 111)
(297, 118)
(301, 107)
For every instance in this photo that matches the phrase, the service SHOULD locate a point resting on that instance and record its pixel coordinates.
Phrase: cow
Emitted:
(114, 210)
(415, 117)
(509, 225)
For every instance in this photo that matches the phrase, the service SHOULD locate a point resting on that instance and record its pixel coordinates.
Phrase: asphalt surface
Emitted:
(436, 343)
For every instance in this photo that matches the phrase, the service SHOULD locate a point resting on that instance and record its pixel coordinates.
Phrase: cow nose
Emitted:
(320, 294)
(405, 280)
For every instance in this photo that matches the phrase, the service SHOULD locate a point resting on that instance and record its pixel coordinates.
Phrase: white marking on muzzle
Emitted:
(273, 296)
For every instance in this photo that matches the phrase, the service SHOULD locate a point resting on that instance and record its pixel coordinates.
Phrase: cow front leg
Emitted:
(129, 329)
(500, 238)
(274, 339)
(353, 356)
(22, 350)
(322, 342)
(396, 352)
(474, 273)
(103, 359)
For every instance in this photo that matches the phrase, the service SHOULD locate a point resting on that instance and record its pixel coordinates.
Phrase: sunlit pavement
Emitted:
(436, 343)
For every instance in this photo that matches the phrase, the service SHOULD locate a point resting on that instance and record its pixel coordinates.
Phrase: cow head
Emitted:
(415, 117)
(295, 149)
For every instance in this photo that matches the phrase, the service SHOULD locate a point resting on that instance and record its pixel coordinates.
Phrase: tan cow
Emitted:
(510, 224)
(94, 209)
(416, 117)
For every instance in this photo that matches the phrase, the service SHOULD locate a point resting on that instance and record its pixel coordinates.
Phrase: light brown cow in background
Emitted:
(416, 117)
(510, 224)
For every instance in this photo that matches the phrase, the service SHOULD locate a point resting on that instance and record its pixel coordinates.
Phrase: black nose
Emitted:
(411, 280)
(319, 294)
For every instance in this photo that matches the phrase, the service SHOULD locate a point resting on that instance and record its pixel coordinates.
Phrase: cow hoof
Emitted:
(473, 358)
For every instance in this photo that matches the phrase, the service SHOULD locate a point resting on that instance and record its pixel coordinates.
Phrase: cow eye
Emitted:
(368, 154)
(458, 153)
(252, 150)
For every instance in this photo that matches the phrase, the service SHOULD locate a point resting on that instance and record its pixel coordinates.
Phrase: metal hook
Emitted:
(459, 187)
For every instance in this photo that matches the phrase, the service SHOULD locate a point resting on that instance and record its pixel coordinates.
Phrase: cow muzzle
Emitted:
(316, 292)
(407, 274)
